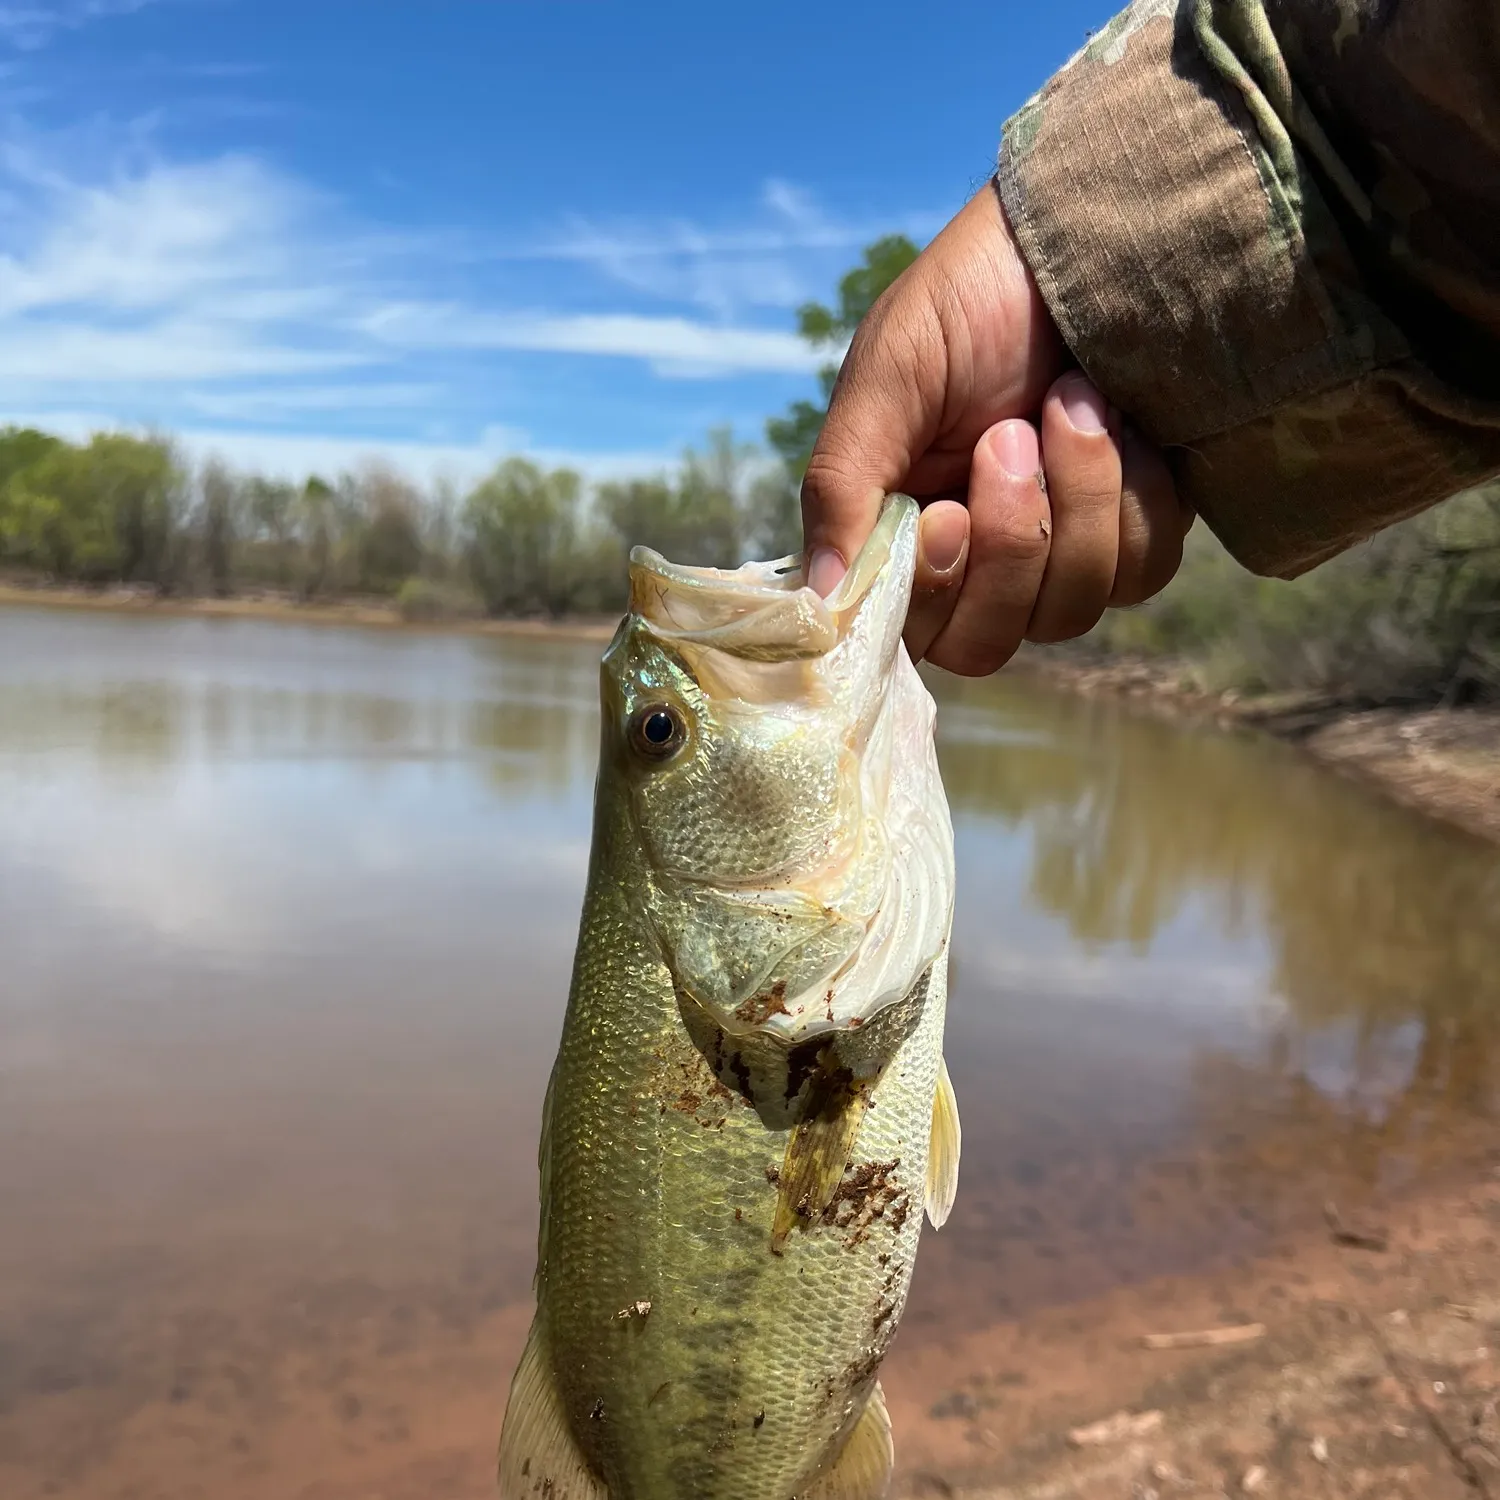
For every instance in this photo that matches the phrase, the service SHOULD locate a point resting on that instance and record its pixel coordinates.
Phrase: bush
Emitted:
(426, 602)
(1412, 615)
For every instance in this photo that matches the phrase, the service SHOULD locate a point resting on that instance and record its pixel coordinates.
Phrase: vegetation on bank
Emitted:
(1412, 616)
(524, 541)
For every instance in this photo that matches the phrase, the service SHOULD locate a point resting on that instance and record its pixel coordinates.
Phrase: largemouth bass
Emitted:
(749, 1112)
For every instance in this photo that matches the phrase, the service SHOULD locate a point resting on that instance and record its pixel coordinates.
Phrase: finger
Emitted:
(1082, 462)
(961, 339)
(1009, 531)
(1153, 524)
(942, 557)
(882, 413)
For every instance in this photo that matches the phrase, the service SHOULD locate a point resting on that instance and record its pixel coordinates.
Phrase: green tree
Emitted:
(773, 514)
(270, 506)
(20, 447)
(695, 520)
(220, 494)
(111, 510)
(794, 435)
(521, 524)
(390, 542)
(318, 521)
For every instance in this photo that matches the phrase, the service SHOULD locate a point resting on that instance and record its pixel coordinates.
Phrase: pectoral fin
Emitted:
(863, 1469)
(942, 1152)
(538, 1455)
(819, 1150)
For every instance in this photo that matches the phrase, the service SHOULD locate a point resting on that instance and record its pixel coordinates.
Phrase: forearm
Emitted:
(1269, 230)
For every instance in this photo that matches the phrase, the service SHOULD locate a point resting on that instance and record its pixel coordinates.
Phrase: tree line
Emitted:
(1412, 616)
(120, 509)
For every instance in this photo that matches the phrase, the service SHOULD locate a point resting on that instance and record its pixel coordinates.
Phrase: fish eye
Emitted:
(657, 731)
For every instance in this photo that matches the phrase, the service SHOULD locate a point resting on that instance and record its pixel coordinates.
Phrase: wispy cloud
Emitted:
(224, 298)
(671, 346)
(225, 269)
(768, 262)
(31, 26)
(294, 455)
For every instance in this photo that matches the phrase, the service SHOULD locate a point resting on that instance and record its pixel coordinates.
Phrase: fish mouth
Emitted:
(765, 611)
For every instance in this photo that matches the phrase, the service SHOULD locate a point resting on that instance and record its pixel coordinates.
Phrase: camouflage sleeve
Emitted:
(1269, 230)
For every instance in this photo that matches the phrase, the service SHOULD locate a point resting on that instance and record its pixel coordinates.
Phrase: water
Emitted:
(286, 917)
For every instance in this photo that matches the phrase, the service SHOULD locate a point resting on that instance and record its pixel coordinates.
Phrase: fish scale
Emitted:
(683, 1349)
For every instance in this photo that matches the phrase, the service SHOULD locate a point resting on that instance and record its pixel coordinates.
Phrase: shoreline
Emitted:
(1324, 1368)
(362, 612)
(1441, 763)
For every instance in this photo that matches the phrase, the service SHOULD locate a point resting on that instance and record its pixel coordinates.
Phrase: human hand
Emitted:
(1041, 508)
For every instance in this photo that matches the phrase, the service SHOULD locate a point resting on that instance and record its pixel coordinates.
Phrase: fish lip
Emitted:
(762, 609)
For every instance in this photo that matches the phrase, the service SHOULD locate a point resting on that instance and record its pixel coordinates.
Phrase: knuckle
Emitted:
(967, 654)
(1016, 527)
(1051, 627)
(1024, 539)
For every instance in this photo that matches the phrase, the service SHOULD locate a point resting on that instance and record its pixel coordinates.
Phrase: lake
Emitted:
(286, 919)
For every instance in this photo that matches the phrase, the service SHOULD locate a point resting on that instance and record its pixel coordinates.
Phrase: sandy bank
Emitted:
(1367, 1372)
(371, 613)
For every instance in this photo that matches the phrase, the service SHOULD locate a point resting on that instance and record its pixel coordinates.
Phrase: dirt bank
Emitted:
(366, 612)
(1368, 1368)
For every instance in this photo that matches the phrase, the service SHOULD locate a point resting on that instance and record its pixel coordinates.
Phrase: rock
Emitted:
(1123, 1424)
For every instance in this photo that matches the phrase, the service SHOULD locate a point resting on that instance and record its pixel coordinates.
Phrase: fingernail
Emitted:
(825, 571)
(944, 538)
(1087, 410)
(1017, 449)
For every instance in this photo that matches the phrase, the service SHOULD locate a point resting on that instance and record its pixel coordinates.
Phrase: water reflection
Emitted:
(287, 916)
(1379, 926)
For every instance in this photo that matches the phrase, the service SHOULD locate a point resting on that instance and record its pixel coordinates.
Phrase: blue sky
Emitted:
(443, 232)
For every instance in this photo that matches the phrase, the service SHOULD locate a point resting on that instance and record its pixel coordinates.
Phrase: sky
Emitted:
(446, 231)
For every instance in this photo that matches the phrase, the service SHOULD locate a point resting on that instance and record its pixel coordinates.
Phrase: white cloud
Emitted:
(162, 238)
(294, 455)
(678, 346)
(781, 259)
(222, 294)
(281, 400)
(172, 349)
(32, 26)
(225, 269)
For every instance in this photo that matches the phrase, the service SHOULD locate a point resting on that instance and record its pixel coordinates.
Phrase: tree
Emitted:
(220, 493)
(318, 521)
(696, 520)
(390, 543)
(111, 510)
(794, 435)
(521, 522)
(270, 506)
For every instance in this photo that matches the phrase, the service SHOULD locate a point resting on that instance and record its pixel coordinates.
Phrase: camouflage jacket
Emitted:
(1269, 230)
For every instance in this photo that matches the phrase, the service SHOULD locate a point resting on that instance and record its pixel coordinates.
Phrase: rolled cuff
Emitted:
(1173, 253)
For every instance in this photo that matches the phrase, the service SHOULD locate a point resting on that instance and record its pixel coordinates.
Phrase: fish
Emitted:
(749, 1114)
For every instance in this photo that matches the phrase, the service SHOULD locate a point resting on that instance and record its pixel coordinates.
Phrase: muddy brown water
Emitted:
(286, 917)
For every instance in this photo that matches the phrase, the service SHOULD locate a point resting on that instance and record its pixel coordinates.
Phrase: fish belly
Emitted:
(692, 1359)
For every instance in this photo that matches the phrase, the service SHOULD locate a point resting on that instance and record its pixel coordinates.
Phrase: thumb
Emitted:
(881, 416)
